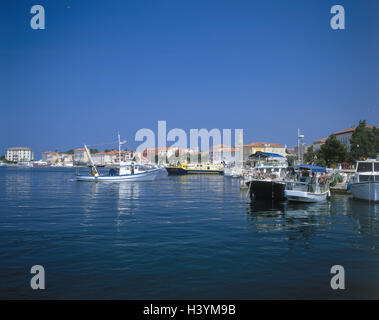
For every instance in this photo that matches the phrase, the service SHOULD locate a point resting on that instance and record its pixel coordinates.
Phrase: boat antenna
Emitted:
(119, 148)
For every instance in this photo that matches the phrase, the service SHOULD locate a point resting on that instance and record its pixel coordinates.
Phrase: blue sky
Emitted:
(268, 67)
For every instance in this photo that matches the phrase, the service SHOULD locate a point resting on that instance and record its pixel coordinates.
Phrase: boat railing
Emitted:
(307, 187)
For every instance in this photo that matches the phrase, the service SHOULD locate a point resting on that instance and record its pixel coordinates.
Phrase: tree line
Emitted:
(364, 144)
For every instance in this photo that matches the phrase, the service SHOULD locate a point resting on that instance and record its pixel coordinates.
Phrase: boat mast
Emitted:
(91, 160)
(119, 148)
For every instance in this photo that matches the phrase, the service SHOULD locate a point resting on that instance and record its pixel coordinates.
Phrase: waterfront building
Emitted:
(318, 143)
(103, 158)
(80, 157)
(344, 136)
(66, 158)
(251, 148)
(221, 153)
(50, 157)
(164, 154)
(20, 154)
(112, 157)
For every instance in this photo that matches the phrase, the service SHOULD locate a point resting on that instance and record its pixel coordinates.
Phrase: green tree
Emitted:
(332, 152)
(364, 142)
(310, 155)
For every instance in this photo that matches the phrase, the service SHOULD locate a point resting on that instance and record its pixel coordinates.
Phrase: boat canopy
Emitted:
(310, 167)
(260, 154)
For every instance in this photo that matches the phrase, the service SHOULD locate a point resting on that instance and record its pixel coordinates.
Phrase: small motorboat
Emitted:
(306, 190)
(268, 182)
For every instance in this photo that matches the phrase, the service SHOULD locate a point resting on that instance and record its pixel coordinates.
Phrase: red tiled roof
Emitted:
(323, 140)
(352, 129)
(50, 152)
(264, 144)
(19, 148)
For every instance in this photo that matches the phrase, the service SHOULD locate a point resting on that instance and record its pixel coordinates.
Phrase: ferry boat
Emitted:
(190, 168)
(365, 183)
(128, 172)
(306, 190)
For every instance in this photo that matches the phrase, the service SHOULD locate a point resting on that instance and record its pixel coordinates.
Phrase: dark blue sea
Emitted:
(189, 237)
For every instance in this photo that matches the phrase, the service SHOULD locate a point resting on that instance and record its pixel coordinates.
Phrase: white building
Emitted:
(20, 154)
(50, 157)
(80, 157)
(222, 153)
(318, 143)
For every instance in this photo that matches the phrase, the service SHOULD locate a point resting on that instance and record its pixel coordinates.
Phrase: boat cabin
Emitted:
(367, 171)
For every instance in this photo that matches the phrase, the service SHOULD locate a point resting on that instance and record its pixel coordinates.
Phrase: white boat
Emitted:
(124, 173)
(365, 184)
(304, 190)
(128, 172)
(24, 164)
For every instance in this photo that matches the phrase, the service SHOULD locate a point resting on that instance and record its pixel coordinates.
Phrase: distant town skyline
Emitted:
(268, 68)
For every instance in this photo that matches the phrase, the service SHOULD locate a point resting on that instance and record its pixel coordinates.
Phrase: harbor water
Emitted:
(180, 237)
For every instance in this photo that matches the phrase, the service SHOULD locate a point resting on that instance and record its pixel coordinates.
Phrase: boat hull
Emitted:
(143, 176)
(302, 196)
(365, 191)
(268, 190)
(181, 171)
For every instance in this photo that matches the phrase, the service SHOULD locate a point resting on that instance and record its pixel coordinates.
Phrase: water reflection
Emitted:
(366, 215)
(18, 184)
(299, 222)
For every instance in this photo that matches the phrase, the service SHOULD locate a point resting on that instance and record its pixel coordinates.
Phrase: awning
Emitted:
(260, 154)
(310, 167)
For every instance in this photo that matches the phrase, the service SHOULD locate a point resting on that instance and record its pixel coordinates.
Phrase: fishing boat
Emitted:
(190, 168)
(268, 182)
(266, 179)
(303, 189)
(124, 172)
(365, 183)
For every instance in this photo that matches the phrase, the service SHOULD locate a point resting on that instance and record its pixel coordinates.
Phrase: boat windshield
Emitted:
(367, 178)
(376, 166)
(364, 167)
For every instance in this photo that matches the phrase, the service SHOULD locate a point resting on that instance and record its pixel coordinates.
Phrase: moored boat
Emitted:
(365, 184)
(124, 172)
(189, 168)
(268, 182)
(307, 188)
